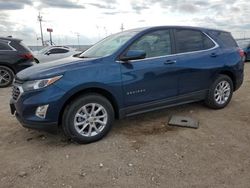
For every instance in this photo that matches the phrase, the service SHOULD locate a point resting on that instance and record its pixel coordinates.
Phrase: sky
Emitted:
(92, 20)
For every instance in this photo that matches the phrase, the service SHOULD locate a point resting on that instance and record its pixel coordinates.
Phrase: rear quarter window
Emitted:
(191, 40)
(4, 45)
(225, 38)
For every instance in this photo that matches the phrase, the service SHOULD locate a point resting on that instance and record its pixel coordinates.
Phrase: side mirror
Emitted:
(48, 53)
(133, 55)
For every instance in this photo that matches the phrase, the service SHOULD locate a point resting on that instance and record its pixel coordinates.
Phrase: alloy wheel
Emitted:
(90, 119)
(5, 77)
(222, 92)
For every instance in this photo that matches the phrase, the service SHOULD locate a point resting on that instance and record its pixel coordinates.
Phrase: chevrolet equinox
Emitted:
(125, 74)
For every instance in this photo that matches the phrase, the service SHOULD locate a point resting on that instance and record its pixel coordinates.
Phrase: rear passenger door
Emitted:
(198, 57)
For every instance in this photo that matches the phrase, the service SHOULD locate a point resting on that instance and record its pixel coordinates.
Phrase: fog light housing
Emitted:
(41, 111)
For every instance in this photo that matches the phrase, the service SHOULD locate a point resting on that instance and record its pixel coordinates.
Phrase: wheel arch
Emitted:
(8, 66)
(108, 95)
(230, 75)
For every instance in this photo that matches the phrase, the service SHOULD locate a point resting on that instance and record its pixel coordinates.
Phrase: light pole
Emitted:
(40, 19)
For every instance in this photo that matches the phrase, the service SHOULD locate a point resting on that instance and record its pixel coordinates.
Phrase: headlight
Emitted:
(38, 84)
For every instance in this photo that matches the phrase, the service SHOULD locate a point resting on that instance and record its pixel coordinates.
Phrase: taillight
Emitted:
(242, 54)
(27, 56)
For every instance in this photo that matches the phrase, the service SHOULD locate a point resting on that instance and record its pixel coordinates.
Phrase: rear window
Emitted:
(24, 46)
(4, 45)
(191, 40)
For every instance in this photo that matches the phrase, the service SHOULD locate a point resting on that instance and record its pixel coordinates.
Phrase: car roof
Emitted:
(10, 39)
(176, 27)
(64, 47)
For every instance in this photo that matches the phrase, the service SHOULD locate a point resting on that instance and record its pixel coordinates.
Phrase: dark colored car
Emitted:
(125, 74)
(245, 46)
(14, 57)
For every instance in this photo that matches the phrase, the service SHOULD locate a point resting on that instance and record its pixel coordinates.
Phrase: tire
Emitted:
(6, 76)
(77, 121)
(220, 92)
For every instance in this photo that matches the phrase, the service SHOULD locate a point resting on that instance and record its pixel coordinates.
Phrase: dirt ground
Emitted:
(142, 151)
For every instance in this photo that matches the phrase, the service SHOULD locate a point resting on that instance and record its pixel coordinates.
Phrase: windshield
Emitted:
(42, 51)
(108, 45)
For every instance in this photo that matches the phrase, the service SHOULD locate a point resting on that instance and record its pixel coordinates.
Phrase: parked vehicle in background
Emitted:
(245, 45)
(52, 53)
(14, 57)
(128, 73)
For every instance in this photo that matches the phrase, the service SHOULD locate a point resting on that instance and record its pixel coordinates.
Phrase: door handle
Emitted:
(169, 62)
(213, 54)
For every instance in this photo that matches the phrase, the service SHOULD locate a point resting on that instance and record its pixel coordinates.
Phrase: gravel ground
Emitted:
(142, 151)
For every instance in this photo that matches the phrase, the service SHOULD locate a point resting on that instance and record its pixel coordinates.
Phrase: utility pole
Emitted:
(122, 27)
(40, 19)
(78, 36)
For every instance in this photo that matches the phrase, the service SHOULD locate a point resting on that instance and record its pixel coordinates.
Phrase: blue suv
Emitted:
(125, 74)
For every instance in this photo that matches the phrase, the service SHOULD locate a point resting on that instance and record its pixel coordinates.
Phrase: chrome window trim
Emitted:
(216, 45)
(8, 42)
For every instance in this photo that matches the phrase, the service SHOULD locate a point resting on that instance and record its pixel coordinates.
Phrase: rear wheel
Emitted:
(6, 76)
(88, 118)
(220, 92)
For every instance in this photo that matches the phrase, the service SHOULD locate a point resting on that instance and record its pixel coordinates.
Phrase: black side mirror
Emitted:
(133, 55)
(48, 53)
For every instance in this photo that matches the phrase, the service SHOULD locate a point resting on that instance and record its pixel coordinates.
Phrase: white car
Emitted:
(52, 53)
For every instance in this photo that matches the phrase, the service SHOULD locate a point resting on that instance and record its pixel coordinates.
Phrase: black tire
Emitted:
(210, 101)
(71, 110)
(8, 78)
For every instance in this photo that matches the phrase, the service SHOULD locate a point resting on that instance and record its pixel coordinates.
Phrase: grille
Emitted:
(15, 92)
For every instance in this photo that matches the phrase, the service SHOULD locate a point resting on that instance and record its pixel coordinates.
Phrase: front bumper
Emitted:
(24, 108)
(51, 127)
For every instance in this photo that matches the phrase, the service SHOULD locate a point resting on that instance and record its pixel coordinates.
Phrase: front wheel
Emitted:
(88, 118)
(220, 92)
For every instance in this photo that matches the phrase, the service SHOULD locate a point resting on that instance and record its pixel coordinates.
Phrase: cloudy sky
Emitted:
(95, 19)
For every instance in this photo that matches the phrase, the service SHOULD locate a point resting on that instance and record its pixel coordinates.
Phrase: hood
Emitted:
(53, 68)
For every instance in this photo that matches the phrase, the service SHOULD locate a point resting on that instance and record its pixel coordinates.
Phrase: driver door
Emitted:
(153, 78)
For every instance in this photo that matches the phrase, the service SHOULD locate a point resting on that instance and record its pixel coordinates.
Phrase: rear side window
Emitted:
(226, 39)
(58, 51)
(4, 45)
(191, 40)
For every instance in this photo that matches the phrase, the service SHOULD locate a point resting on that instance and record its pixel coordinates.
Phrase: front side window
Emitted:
(156, 43)
(4, 46)
(191, 41)
(58, 51)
